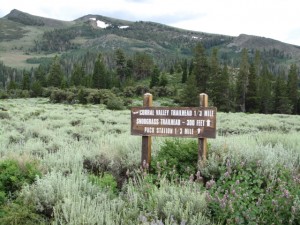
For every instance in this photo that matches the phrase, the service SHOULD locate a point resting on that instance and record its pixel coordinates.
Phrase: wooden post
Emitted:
(202, 142)
(146, 140)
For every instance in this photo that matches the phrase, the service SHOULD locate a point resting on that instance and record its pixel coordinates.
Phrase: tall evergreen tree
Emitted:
(26, 81)
(200, 68)
(257, 62)
(100, 76)
(163, 80)
(121, 65)
(191, 67)
(178, 67)
(292, 84)
(143, 65)
(155, 77)
(190, 94)
(12, 85)
(64, 83)
(129, 73)
(87, 81)
(252, 95)
(214, 62)
(242, 80)
(55, 76)
(77, 75)
(36, 89)
(184, 71)
(129, 68)
(281, 101)
(40, 75)
(215, 85)
(265, 90)
(224, 88)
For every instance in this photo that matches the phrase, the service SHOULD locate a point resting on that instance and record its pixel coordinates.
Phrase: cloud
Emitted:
(293, 36)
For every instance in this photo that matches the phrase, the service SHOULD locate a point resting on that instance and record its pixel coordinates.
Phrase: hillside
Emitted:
(264, 44)
(30, 20)
(22, 33)
(24, 36)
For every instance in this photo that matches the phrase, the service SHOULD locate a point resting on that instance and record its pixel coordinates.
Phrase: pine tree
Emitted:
(143, 65)
(265, 90)
(224, 88)
(100, 76)
(77, 75)
(40, 75)
(293, 87)
(64, 83)
(214, 62)
(242, 80)
(190, 95)
(154, 77)
(55, 76)
(184, 71)
(178, 67)
(214, 89)
(121, 65)
(257, 62)
(281, 101)
(191, 67)
(252, 95)
(26, 81)
(217, 90)
(129, 68)
(200, 68)
(163, 80)
(36, 89)
(12, 85)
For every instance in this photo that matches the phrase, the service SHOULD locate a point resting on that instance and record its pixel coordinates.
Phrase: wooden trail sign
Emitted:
(195, 122)
(192, 122)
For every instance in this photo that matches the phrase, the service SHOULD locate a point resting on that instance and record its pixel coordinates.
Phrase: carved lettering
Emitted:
(146, 112)
(146, 121)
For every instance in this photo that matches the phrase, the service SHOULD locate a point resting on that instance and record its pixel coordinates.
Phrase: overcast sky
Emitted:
(277, 19)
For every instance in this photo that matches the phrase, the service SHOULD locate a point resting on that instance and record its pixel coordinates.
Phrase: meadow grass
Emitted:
(68, 140)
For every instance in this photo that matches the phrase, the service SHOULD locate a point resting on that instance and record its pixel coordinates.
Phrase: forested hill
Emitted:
(24, 37)
(31, 37)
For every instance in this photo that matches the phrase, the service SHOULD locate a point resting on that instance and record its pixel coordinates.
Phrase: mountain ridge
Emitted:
(29, 19)
(35, 36)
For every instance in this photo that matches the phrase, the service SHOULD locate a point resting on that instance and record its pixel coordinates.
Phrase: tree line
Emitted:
(250, 87)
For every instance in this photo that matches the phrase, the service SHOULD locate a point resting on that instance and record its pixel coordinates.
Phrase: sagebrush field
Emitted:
(87, 169)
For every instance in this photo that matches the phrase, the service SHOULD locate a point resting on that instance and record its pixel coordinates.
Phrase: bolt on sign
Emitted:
(194, 122)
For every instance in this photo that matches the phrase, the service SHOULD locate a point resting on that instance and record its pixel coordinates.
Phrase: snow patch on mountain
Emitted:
(102, 24)
(123, 27)
(195, 37)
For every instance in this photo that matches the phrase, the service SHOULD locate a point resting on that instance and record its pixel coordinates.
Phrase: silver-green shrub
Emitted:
(55, 187)
(168, 203)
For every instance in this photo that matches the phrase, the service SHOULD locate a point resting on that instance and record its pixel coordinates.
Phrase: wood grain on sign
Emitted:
(196, 122)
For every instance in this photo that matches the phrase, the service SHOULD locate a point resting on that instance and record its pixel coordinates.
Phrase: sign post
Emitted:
(202, 142)
(188, 122)
(146, 140)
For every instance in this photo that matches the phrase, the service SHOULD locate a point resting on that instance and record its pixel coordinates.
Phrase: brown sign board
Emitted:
(196, 122)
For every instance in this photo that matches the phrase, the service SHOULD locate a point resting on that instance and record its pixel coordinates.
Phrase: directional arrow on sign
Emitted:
(208, 123)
